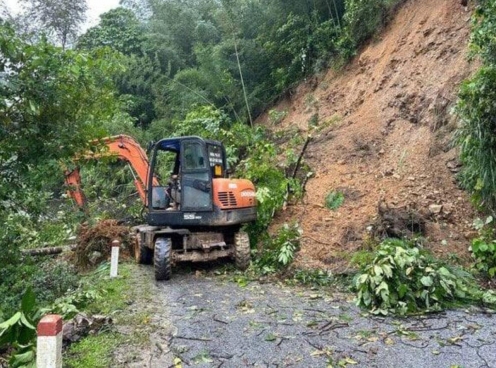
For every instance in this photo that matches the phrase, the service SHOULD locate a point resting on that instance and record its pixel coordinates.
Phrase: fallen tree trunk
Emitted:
(295, 171)
(48, 250)
(298, 162)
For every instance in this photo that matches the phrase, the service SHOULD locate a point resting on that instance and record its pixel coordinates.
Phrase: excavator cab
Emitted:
(197, 192)
(194, 163)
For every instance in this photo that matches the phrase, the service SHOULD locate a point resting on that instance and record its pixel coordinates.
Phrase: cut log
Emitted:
(48, 250)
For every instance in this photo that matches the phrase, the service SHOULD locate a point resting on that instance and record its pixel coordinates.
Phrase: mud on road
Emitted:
(203, 320)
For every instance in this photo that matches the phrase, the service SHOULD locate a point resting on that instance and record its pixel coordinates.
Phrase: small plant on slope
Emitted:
(334, 200)
(483, 248)
(403, 279)
(279, 250)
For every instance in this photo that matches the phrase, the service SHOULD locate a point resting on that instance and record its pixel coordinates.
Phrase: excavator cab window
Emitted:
(191, 163)
(166, 170)
(193, 156)
(195, 177)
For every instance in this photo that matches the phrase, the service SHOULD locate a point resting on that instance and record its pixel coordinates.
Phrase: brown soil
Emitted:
(384, 135)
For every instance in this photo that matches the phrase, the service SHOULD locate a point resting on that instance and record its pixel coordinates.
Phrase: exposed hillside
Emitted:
(383, 135)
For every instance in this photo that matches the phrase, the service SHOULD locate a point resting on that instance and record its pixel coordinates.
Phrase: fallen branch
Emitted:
(48, 250)
(219, 320)
(316, 346)
(298, 162)
(192, 338)
(295, 170)
(282, 338)
(423, 345)
(304, 184)
(327, 328)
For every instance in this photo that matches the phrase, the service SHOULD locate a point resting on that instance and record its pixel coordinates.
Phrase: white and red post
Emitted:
(114, 258)
(49, 344)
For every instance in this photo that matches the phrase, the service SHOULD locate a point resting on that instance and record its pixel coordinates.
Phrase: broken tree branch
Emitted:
(295, 170)
(192, 338)
(298, 162)
(48, 250)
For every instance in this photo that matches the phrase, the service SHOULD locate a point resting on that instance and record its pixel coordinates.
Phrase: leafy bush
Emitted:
(71, 303)
(484, 253)
(362, 258)
(262, 167)
(19, 332)
(483, 248)
(334, 200)
(279, 251)
(476, 109)
(403, 279)
(52, 280)
(483, 37)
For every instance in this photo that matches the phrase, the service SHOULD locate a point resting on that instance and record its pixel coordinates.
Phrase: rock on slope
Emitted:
(384, 135)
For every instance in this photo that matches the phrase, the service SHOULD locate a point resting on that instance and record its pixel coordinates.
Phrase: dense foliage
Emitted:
(483, 247)
(51, 103)
(236, 55)
(19, 331)
(477, 111)
(404, 279)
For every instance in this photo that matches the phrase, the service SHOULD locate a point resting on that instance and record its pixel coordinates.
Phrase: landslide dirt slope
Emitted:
(384, 135)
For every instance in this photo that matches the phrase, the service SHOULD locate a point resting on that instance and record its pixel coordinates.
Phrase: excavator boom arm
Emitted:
(123, 147)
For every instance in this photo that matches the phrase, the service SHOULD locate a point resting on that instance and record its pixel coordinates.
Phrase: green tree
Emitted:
(52, 102)
(174, 23)
(118, 29)
(137, 83)
(60, 19)
(477, 110)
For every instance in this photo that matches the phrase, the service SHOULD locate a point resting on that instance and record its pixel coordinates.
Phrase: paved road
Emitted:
(211, 321)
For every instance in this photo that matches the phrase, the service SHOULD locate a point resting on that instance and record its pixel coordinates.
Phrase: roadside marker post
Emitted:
(49, 342)
(114, 257)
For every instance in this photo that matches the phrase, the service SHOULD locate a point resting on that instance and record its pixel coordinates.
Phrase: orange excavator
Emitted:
(197, 216)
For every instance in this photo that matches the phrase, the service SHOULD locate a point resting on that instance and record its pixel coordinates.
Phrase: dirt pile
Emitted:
(385, 133)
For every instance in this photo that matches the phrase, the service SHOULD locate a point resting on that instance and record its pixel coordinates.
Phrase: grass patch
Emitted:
(334, 121)
(97, 350)
(311, 277)
(275, 116)
(334, 200)
(93, 351)
(362, 258)
(117, 291)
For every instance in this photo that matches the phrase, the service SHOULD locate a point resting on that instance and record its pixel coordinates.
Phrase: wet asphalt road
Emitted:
(212, 321)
